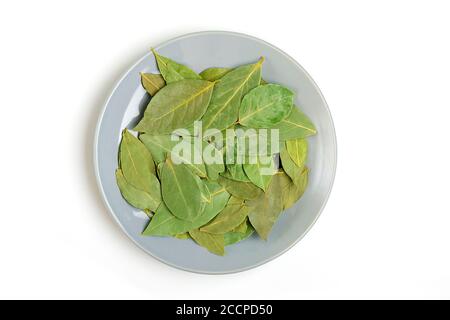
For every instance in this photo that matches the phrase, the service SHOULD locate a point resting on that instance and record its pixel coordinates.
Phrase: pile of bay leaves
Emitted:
(222, 202)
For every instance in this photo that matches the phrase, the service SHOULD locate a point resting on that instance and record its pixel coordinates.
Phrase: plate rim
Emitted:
(111, 211)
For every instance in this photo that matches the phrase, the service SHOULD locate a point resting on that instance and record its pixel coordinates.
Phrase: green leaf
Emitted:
(296, 125)
(181, 191)
(161, 146)
(175, 106)
(242, 190)
(213, 160)
(289, 166)
(219, 199)
(214, 243)
(137, 198)
(137, 163)
(248, 142)
(265, 106)
(235, 172)
(235, 237)
(223, 110)
(297, 150)
(173, 71)
(265, 210)
(242, 228)
(261, 173)
(231, 217)
(164, 223)
(214, 74)
(152, 82)
(291, 191)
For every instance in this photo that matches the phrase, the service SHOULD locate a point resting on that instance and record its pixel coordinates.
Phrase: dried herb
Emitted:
(214, 243)
(213, 74)
(164, 223)
(161, 146)
(181, 191)
(177, 105)
(138, 198)
(265, 209)
(265, 106)
(173, 71)
(297, 150)
(296, 125)
(261, 172)
(241, 190)
(223, 110)
(231, 217)
(292, 191)
(137, 174)
(152, 83)
(183, 178)
(235, 237)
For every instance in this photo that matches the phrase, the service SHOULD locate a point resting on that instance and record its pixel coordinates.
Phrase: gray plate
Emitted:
(200, 51)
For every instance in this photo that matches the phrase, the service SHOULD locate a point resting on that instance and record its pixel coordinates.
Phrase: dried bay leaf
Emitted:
(296, 125)
(297, 150)
(248, 142)
(137, 164)
(214, 201)
(236, 172)
(292, 192)
(214, 187)
(214, 243)
(219, 199)
(181, 191)
(175, 106)
(223, 110)
(301, 183)
(173, 71)
(213, 168)
(161, 146)
(232, 216)
(138, 198)
(241, 190)
(265, 106)
(261, 173)
(214, 74)
(132, 150)
(152, 83)
(265, 210)
(235, 237)
(164, 223)
(289, 166)
(242, 228)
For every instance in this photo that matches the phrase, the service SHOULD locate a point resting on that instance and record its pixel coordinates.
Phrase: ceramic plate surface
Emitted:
(199, 51)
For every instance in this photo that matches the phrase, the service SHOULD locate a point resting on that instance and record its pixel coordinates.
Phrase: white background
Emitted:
(384, 68)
